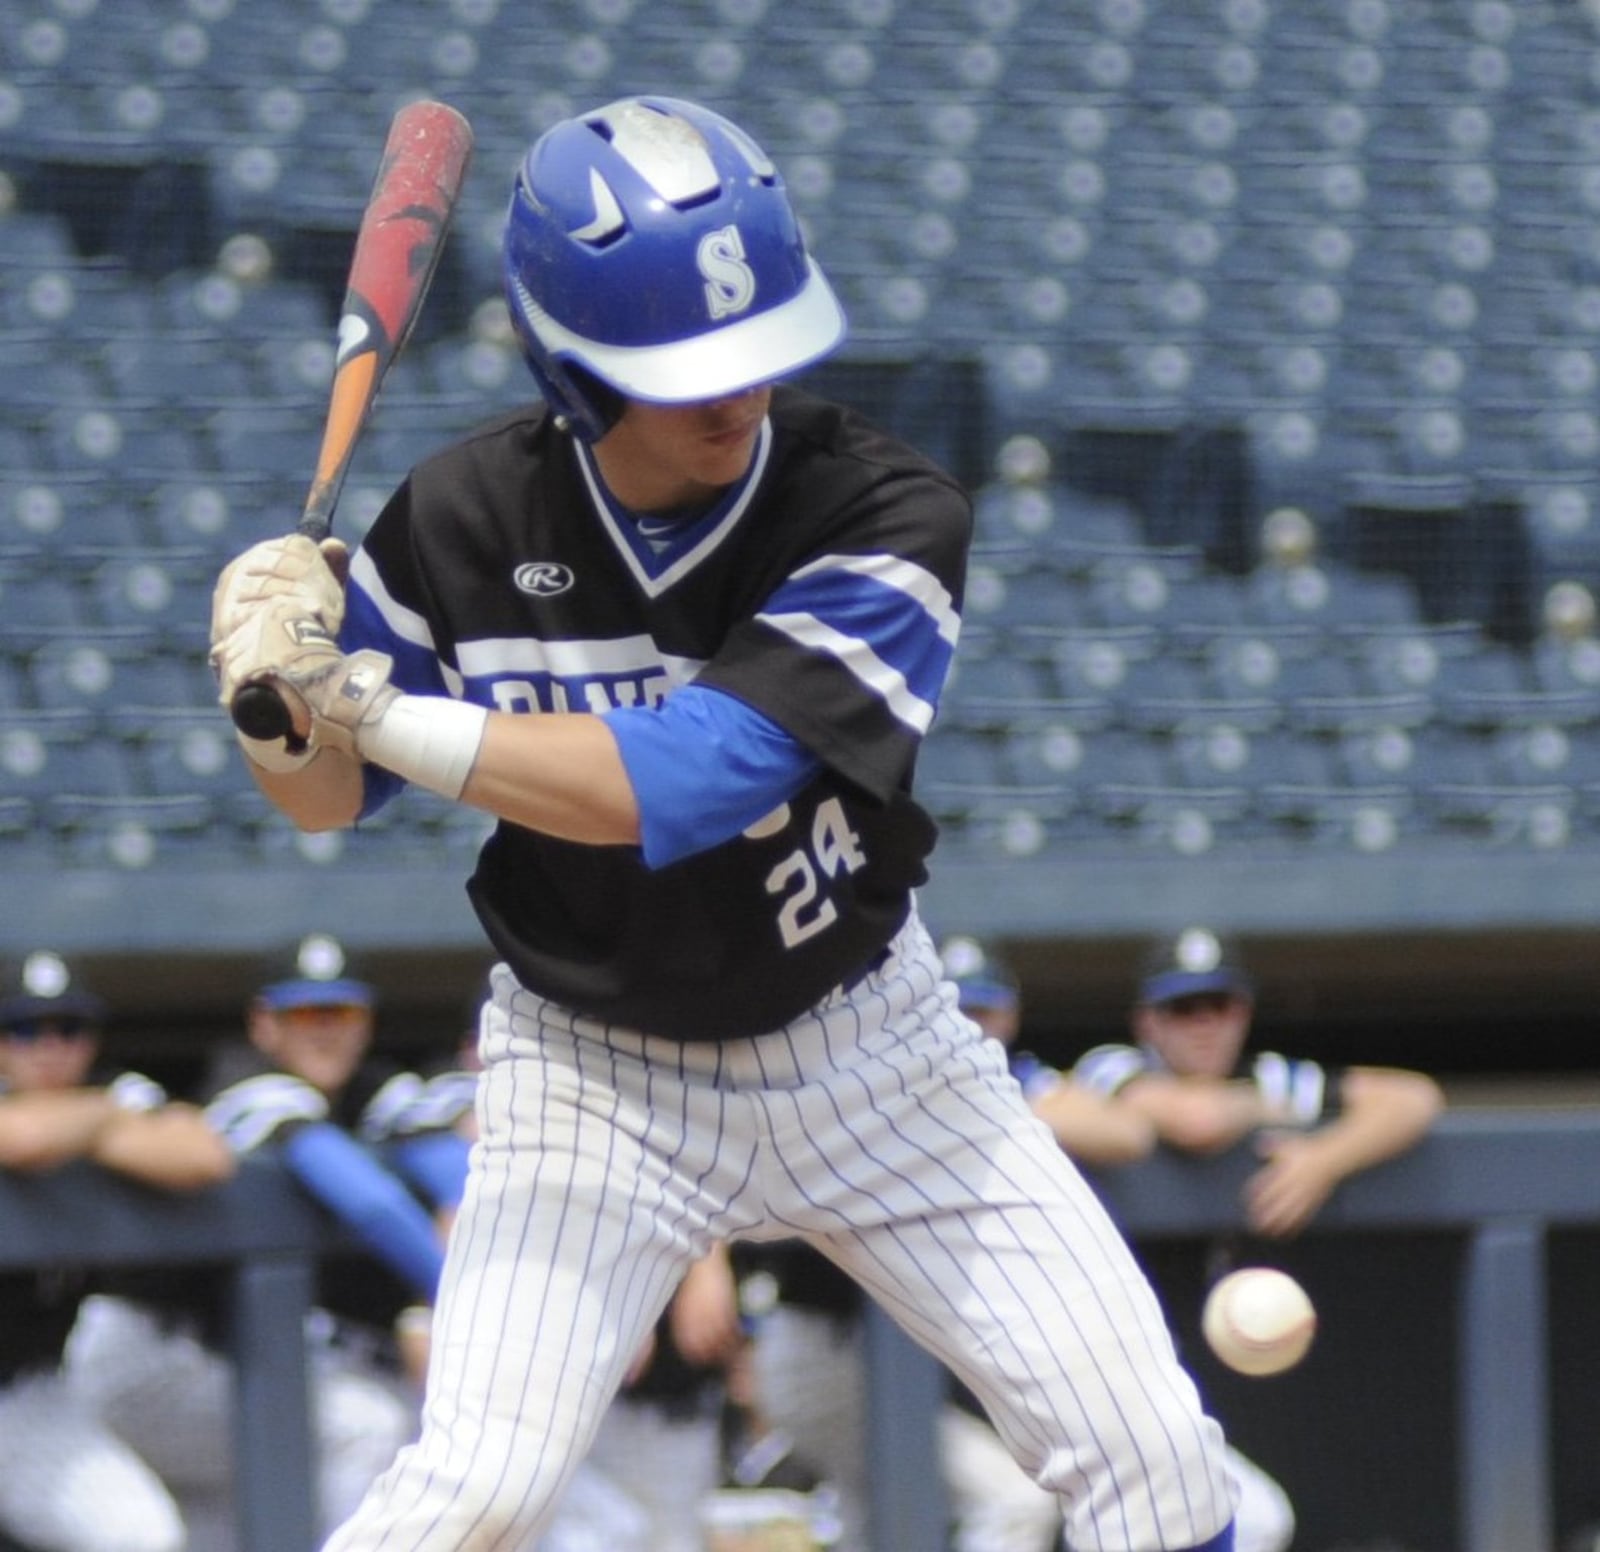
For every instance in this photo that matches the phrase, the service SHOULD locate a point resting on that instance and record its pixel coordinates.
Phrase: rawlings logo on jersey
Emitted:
(730, 282)
(543, 578)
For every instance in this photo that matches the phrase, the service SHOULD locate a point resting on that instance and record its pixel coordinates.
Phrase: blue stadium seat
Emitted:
(1330, 594)
(1367, 821)
(43, 755)
(1078, 759)
(1538, 754)
(35, 377)
(1421, 758)
(221, 514)
(1038, 598)
(80, 302)
(995, 688)
(1224, 749)
(1417, 657)
(187, 752)
(36, 604)
(268, 440)
(36, 238)
(133, 833)
(41, 510)
(114, 437)
(164, 595)
(1094, 663)
(1159, 693)
(106, 672)
(1181, 820)
(207, 301)
(951, 755)
(177, 369)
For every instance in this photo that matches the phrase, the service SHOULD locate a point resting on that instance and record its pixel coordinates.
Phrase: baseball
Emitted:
(1259, 1321)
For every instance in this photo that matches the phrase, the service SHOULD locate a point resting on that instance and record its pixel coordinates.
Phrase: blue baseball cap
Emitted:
(43, 988)
(982, 979)
(318, 976)
(1194, 961)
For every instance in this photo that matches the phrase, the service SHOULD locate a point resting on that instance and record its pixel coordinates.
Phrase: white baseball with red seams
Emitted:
(1259, 1320)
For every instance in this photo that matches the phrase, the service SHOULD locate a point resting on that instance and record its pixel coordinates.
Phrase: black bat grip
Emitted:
(258, 712)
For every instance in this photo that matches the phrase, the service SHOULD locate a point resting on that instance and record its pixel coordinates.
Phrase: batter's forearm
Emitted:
(557, 773)
(324, 794)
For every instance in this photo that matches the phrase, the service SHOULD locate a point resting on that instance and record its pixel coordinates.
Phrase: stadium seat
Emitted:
(186, 751)
(177, 370)
(1223, 749)
(134, 833)
(36, 238)
(1077, 759)
(42, 755)
(165, 596)
(36, 605)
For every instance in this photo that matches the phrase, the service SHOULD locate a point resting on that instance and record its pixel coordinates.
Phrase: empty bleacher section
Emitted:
(1268, 336)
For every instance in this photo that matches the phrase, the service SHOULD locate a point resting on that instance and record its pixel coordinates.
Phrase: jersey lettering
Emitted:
(730, 282)
(547, 693)
(799, 879)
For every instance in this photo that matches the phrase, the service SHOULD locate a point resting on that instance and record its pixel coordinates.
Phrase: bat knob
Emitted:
(258, 712)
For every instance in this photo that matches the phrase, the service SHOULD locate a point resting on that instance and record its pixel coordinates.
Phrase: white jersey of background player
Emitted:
(682, 631)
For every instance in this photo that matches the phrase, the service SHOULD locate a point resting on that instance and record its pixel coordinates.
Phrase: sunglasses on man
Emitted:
(1198, 1004)
(61, 1026)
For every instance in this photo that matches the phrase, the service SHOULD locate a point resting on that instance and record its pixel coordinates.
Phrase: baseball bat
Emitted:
(397, 248)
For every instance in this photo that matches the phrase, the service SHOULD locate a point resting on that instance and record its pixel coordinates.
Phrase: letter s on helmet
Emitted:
(651, 250)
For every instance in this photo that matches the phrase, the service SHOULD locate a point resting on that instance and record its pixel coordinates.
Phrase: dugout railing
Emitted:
(1494, 1186)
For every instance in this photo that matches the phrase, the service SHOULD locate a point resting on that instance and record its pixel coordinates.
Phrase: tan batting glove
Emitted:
(332, 695)
(294, 569)
(268, 635)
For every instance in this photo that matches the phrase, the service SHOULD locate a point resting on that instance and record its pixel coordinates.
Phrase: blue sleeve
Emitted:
(434, 1163)
(705, 766)
(371, 1202)
(416, 671)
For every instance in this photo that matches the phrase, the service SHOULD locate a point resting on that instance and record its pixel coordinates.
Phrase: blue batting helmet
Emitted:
(651, 252)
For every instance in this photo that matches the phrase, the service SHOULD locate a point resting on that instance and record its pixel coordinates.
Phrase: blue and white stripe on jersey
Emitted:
(373, 618)
(1295, 1090)
(892, 623)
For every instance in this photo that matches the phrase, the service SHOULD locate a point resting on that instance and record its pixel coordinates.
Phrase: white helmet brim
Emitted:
(757, 349)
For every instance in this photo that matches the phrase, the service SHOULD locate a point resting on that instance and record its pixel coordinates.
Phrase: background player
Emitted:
(732, 607)
(1190, 1074)
(374, 1145)
(68, 1483)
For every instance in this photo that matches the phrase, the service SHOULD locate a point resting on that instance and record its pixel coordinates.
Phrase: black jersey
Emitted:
(824, 592)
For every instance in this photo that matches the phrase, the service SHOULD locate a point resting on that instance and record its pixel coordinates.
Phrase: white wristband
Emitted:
(428, 739)
(270, 754)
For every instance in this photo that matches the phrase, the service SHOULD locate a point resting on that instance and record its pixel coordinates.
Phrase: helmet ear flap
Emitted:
(604, 404)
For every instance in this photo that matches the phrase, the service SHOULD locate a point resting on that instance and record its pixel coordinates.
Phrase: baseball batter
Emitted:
(681, 628)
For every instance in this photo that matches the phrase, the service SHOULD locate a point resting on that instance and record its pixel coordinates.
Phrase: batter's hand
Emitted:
(269, 633)
(330, 695)
(293, 569)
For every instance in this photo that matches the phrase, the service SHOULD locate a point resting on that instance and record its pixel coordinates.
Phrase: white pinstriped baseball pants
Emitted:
(884, 1128)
